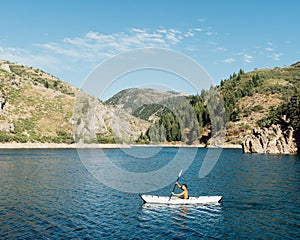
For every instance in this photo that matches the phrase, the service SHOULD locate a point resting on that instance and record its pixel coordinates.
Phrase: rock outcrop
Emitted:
(6, 126)
(272, 140)
(91, 117)
(5, 67)
(2, 101)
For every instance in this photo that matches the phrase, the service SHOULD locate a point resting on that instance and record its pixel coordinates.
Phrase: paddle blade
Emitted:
(179, 175)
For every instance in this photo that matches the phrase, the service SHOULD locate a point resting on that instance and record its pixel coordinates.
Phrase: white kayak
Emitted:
(191, 200)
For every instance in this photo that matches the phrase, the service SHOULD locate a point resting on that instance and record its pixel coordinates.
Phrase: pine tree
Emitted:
(241, 72)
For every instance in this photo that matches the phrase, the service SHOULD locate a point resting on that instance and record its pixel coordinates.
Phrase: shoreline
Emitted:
(59, 146)
(98, 146)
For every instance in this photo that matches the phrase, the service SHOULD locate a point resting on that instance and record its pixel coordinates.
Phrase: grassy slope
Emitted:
(41, 109)
(38, 104)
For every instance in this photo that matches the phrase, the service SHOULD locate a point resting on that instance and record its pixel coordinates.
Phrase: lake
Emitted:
(50, 194)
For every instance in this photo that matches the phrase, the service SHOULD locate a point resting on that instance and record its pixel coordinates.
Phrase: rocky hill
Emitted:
(251, 101)
(37, 107)
(257, 100)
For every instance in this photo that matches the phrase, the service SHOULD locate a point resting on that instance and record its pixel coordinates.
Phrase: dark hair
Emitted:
(184, 185)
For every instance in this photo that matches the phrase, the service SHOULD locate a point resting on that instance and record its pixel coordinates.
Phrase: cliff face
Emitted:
(272, 140)
(94, 121)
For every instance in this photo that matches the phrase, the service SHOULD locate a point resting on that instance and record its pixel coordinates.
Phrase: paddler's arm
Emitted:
(179, 194)
(178, 185)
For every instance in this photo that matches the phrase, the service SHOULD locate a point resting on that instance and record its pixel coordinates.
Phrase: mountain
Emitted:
(38, 107)
(133, 98)
(251, 100)
(167, 111)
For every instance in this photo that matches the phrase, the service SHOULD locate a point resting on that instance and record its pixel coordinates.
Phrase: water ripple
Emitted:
(48, 194)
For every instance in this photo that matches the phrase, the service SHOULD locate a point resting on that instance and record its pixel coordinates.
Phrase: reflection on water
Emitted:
(182, 220)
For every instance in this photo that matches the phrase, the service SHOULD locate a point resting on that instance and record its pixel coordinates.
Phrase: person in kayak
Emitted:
(184, 194)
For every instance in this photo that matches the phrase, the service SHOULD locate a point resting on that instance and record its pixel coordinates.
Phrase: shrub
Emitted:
(21, 138)
(64, 137)
(257, 108)
(104, 139)
(5, 137)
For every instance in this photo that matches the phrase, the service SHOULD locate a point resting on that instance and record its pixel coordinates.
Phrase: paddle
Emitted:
(179, 175)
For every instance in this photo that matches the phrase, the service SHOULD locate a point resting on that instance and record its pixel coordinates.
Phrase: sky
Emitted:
(69, 39)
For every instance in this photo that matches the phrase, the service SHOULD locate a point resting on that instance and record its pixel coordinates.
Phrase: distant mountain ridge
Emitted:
(133, 98)
(37, 107)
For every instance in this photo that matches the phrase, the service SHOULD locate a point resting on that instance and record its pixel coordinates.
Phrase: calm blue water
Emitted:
(49, 194)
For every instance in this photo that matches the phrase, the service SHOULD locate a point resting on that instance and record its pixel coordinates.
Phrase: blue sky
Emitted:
(70, 38)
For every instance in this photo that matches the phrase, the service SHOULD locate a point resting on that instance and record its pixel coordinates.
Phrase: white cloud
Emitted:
(162, 30)
(172, 38)
(276, 56)
(247, 58)
(189, 34)
(197, 29)
(93, 47)
(221, 49)
(210, 33)
(60, 50)
(94, 44)
(138, 30)
(229, 60)
(269, 49)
